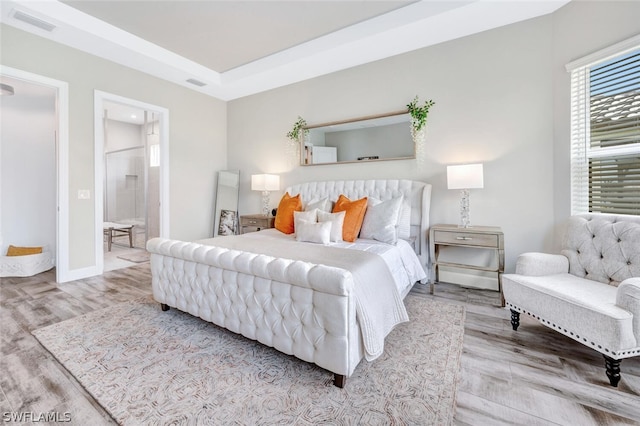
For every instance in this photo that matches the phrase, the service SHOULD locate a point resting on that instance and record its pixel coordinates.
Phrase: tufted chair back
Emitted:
(602, 247)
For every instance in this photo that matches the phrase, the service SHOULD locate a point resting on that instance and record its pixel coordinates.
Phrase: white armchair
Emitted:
(591, 292)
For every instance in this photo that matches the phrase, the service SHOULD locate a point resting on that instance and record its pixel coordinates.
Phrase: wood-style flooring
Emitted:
(534, 376)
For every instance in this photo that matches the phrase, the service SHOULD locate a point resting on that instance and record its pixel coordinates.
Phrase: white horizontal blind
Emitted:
(579, 134)
(605, 131)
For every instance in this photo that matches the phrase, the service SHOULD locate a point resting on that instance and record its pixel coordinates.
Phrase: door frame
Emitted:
(100, 98)
(62, 163)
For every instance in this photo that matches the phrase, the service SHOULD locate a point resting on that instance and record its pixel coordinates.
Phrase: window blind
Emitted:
(605, 135)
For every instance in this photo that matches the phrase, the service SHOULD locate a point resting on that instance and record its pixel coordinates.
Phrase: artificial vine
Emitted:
(299, 125)
(419, 113)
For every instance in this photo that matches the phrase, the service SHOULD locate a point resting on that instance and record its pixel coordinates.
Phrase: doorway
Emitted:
(132, 194)
(51, 227)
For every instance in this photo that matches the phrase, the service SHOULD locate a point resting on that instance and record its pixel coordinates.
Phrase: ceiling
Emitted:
(237, 48)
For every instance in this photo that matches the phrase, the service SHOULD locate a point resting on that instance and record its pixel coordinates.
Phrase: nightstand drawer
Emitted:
(254, 221)
(465, 238)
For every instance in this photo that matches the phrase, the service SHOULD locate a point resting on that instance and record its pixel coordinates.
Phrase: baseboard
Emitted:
(78, 274)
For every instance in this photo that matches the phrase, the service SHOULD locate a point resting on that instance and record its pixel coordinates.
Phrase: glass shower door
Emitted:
(125, 198)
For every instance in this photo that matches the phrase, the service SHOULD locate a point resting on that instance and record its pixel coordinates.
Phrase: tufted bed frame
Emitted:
(222, 285)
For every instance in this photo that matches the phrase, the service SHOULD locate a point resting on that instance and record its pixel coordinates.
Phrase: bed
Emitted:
(331, 305)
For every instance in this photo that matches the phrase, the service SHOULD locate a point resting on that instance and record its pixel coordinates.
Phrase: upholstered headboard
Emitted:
(416, 201)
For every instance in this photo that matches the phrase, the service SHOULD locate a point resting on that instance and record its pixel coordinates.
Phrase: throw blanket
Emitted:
(379, 306)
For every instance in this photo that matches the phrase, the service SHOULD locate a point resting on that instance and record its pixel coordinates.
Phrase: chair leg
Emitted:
(515, 319)
(613, 370)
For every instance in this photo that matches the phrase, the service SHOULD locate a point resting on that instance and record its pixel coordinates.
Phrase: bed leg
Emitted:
(164, 307)
(339, 380)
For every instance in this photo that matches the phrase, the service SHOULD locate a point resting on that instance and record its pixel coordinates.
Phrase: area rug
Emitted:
(145, 366)
(136, 257)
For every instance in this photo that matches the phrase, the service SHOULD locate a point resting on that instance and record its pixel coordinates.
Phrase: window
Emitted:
(605, 131)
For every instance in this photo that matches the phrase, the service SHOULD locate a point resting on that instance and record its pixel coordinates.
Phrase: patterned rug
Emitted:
(145, 366)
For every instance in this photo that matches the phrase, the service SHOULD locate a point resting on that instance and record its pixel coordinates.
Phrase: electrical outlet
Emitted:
(84, 194)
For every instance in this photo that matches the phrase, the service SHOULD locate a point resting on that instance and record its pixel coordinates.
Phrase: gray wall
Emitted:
(502, 98)
(475, 82)
(197, 134)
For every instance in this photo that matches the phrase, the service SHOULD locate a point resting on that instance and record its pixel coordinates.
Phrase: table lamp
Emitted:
(464, 178)
(265, 183)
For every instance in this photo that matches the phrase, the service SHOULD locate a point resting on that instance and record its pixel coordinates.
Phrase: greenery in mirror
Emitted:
(419, 113)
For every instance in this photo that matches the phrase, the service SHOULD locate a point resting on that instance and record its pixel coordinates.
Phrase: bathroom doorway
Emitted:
(131, 181)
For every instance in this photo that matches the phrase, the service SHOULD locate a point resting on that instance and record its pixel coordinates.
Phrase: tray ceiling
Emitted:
(238, 48)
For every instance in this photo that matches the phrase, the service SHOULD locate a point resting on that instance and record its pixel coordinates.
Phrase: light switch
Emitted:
(84, 194)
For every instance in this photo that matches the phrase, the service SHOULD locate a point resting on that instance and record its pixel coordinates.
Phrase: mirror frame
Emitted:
(352, 120)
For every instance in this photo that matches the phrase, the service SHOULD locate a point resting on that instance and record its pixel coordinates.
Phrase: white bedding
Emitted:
(401, 259)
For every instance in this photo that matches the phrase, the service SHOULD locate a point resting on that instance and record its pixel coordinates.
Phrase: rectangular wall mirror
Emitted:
(373, 138)
(226, 208)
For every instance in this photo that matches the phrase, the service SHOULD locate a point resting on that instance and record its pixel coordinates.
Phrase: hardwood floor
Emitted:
(534, 376)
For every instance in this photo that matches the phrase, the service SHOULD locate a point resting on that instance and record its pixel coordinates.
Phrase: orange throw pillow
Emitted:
(284, 214)
(353, 217)
(23, 251)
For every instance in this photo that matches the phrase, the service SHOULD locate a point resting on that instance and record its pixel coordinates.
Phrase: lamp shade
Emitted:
(466, 176)
(265, 182)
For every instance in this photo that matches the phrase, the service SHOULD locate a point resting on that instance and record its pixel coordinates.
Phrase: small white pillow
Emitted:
(310, 216)
(324, 205)
(313, 232)
(336, 220)
(381, 220)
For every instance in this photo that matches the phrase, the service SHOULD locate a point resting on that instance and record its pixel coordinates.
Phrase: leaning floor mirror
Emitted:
(226, 208)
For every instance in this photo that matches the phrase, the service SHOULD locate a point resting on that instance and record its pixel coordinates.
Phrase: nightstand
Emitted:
(479, 237)
(255, 222)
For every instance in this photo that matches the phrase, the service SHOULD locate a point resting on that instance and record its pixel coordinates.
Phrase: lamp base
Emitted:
(465, 221)
(265, 203)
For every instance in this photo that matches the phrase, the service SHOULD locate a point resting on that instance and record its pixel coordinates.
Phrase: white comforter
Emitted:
(379, 306)
(401, 259)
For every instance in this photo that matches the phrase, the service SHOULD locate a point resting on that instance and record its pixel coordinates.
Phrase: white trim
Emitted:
(63, 274)
(81, 273)
(617, 49)
(413, 26)
(163, 118)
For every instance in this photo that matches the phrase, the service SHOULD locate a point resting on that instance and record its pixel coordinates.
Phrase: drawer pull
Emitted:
(464, 238)
(253, 222)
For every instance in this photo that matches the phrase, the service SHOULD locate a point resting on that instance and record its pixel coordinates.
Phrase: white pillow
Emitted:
(323, 205)
(381, 220)
(310, 216)
(336, 220)
(313, 232)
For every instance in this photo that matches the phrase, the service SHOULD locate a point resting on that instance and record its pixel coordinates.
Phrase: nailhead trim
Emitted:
(571, 334)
